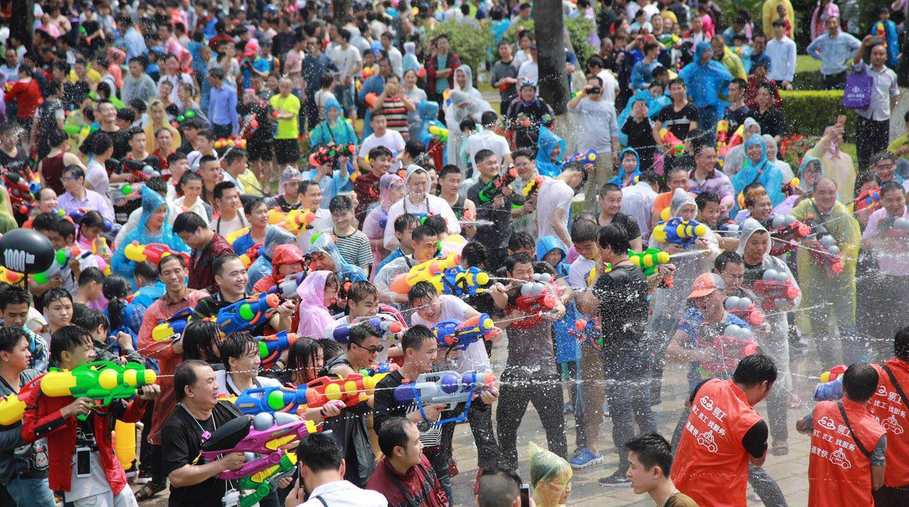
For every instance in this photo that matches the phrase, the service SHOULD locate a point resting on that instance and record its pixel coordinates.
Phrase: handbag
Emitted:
(859, 87)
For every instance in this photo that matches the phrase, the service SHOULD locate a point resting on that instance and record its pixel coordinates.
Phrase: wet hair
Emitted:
(421, 290)
(423, 231)
(405, 221)
(199, 339)
(320, 451)
(13, 295)
(706, 197)
(252, 204)
(235, 346)
(891, 186)
(518, 258)
(860, 382)
(361, 290)
(218, 265)
(186, 375)
(10, 337)
(436, 223)
(755, 369)
(148, 271)
(54, 295)
(302, 355)
(415, 336)
(89, 319)
(652, 450)
(393, 433)
(340, 203)
(615, 237)
(66, 339)
(330, 349)
(116, 289)
(726, 258)
(521, 240)
(474, 254)
(583, 231)
(362, 331)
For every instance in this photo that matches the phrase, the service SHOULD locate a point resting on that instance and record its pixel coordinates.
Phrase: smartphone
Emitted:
(841, 119)
(83, 462)
(525, 495)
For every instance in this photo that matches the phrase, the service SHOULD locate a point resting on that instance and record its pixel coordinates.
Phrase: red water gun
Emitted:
(869, 199)
(732, 346)
(829, 254)
(745, 309)
(533, 301)
(775, 287)
(787, 231)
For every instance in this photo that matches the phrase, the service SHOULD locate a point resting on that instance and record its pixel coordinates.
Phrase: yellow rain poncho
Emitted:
(550, 478)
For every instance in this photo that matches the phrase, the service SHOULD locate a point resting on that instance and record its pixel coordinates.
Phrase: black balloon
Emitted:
(26, 251)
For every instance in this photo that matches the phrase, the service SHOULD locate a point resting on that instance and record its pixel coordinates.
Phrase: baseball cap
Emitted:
(705, 285)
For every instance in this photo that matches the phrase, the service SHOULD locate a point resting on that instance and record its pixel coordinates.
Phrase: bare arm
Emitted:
(190, 475)
(877, 476)
(560, 230)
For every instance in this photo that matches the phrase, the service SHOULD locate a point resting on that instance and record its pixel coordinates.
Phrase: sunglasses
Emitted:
(371, 350)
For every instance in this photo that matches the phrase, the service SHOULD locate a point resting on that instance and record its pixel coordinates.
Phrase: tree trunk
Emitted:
(903, 70)
(22, 24)
(551, 50)
(341, 10)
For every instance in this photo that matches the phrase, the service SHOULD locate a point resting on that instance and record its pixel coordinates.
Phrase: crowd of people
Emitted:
(183, 159)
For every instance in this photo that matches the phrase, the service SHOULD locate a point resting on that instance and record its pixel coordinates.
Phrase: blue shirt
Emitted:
(135, 44)
(642, 74)
(834, 52)
(375, 84)
(222, 107)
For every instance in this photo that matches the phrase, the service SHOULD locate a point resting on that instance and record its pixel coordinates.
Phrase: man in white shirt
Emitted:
(228, 201)
(394, 55)
(349, 62)
(487, 139)
(322, 475)
(418, 201)
(174, 77)
(554, 202)
(595, 66)
(381, 136)
(637, 201)
(530, 70)
(872, 128)
(781, 50)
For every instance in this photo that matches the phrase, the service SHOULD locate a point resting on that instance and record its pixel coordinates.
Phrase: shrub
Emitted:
(578, 30)
(809, 112)
(468, 42)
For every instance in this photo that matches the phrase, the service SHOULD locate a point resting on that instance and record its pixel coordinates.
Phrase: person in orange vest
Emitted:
(848, 445)
(888, 405)
(724, 434)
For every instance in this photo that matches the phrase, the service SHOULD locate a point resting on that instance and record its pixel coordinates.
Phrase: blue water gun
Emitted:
(679, 231)
(272, 399)
(444, 387)
(455, 335)
(458, 281)
(247, 313)
(389, 327)
(271, 347)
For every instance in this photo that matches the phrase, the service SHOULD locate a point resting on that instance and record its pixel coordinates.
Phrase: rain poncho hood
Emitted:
(342, 132)
(332, 103)
(705, 82)
(654, 106)
(284, 255)
(807, 159)
(290, 172)
(547, 244)
(546, 142)
(763, 172)
(314, 317)
(385, 183)
(623, 180)
(549, 476)
(468, 73)
(261, 268)
(680, 198)
(749, 227)
(347, 272)
(151, 201)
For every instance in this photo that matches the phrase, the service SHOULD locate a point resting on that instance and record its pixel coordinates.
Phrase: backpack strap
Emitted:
(896, 385)
(858, 443)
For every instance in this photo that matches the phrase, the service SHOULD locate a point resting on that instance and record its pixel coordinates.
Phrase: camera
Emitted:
(593, 89)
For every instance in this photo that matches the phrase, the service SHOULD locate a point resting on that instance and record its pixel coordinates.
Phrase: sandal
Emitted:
(149, 491)
(780, 448)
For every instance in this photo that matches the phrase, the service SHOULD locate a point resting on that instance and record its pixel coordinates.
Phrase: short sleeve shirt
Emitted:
(678, 122)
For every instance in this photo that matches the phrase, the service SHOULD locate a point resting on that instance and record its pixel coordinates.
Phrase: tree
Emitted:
(22, 23)
(553, 83)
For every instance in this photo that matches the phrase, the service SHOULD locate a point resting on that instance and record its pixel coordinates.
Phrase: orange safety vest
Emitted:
(711, 464)
(839, 470)
(888, 407)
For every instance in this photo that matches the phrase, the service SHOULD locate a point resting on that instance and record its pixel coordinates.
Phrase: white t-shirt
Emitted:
(345, 59)
(227, 387)
(487, 140)
(554, 194)
(610, 86)
(226, 228)
(432, 204)
(578, 271)
(529, 70)
(391, 140)
(96, 177)
(474, 357)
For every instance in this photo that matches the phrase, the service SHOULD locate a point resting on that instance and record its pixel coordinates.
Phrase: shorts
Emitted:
(345, 97)
(259, 149)
(287, 151)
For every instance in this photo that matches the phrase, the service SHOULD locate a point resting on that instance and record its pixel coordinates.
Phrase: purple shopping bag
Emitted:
(859, 87)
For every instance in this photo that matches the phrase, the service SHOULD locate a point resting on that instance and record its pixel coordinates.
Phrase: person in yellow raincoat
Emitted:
(550, 478)
(823, 290)
(836, 164)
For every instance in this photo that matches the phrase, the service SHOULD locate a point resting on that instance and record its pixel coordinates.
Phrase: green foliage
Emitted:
(731, 9)
(578, 30)
(810, 112)
(470, 43)
(513, 29)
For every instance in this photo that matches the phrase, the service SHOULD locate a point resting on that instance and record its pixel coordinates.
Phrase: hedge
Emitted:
(469, 42)
(809, 112)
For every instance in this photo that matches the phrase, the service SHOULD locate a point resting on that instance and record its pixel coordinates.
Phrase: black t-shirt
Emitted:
(772, 122)
(182, 441)
(678, 122)
(627, 222)
(755, 439)
(623, 307)
(19, 163)
(493, 236)
(211, 305)
(640, 137)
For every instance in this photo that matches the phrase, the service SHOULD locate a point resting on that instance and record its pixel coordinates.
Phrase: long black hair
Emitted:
(116, 290)
(199, 340)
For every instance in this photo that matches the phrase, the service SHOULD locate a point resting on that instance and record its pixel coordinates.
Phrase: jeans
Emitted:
(707, 118)
(488, 453)
(891, 497)
(546, 394)
(222, 131)
(834, 81)
(870, 137)
(31, 492)
(628, 394)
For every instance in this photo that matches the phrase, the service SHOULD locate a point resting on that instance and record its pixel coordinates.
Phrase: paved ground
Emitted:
(789, 471)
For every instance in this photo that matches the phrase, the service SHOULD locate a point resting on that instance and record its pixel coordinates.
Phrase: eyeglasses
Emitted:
(371, 350)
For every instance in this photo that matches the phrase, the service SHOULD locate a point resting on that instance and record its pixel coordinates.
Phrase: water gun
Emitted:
(459, 335)
(230, 142)
(171, 329)
(140, 170)
(383, 367)
(12, 408)
(152, 252)
(679, 231)
(77, 215)
(102, 381)
(124, 441)
(532, 187)
(271, 347)
(329, 154)
(894, 227)
(790, 188)
(246, 313)
(355, 388)
(831, 386)
(588, 332)
(290, 400)
(829, 254)
(444, 387)
(262, 483)
(10, 277)
(881, 32)
(287, 289)
(675, 146)
(276, 216)
(869, 199)
(20, 192)
(774, 287)
(251, 255)
(745, 309)
(787, 231)
(424, 272)
(533, 301)
(389, 327)
(649, 260)
(370, 99)
(234, 236)
(61, 259)
(722, 134)
(734, 344)
(299, 220)
(735, 140)
(262, 435)
(588, 157)
(439, 132)
(494, 187)
(458, 281)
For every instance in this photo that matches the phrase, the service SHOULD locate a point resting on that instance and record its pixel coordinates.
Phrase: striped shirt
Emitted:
(355, 249)
(396, 115)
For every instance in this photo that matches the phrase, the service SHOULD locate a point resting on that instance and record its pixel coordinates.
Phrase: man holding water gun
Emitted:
(82, 462)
